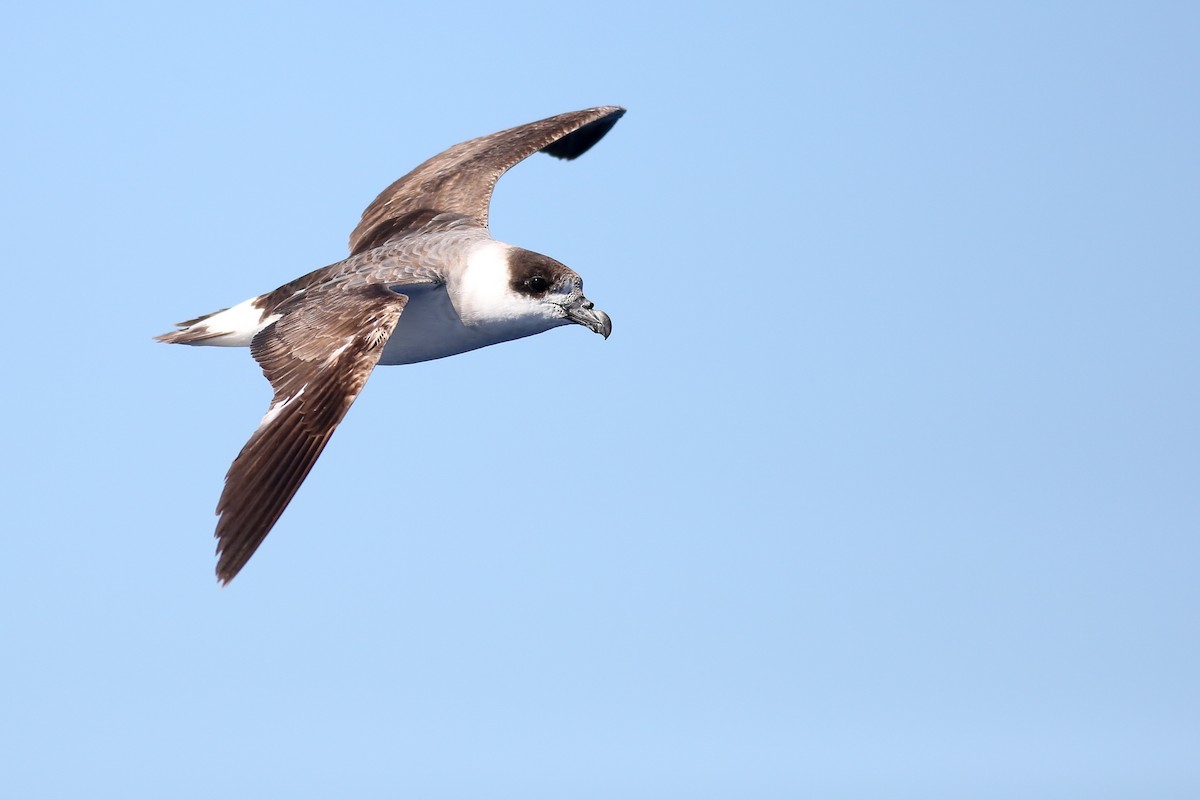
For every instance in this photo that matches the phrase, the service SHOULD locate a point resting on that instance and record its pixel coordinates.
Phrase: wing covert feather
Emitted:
(460, 180)
(317, 357)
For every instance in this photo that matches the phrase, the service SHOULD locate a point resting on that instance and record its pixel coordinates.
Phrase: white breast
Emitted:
(429, 328)
(475, 308)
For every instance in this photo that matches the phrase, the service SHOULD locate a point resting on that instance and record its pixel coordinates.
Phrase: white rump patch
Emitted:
(234, 327)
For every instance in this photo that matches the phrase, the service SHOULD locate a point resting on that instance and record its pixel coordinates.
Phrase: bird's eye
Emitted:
(537, 284)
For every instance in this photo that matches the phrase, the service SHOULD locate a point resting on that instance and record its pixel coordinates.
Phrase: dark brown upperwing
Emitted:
(317, 356)
(460, 180)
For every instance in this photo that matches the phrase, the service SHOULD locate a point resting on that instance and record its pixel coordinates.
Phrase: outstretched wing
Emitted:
(317, 356)
(460, 180)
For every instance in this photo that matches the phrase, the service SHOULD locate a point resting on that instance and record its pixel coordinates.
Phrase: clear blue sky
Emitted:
(887, 483)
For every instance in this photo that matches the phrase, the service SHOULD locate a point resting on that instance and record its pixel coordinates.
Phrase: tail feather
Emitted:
(229, 327)
(187, 333)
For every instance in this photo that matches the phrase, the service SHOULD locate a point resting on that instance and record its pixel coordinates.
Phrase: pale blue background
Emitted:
(887, 483)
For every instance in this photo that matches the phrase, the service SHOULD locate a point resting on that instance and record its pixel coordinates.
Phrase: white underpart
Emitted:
(235, 327)
(475, 308)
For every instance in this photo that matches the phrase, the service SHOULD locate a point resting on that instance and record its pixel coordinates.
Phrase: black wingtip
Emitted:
(578, 142)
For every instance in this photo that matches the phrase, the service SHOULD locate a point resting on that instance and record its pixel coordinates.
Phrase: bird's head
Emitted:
(555, 289)
(517, 292)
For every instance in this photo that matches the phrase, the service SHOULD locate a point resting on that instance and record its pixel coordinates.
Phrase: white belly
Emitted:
(430, 328)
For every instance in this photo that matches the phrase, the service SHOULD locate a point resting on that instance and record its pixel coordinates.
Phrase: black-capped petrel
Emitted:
(424, 280)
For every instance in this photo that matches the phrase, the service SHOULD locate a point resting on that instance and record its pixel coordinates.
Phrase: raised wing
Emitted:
(317, 356)
(460, 180)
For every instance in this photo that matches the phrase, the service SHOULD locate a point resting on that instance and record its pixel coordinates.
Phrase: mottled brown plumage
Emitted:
(318, 359)
(460, 180)
(318, 337)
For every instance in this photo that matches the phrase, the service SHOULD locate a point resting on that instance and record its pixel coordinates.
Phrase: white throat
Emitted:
(476, 308)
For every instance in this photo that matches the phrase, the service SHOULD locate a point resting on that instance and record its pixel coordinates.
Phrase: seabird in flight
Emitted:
(424, 280)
